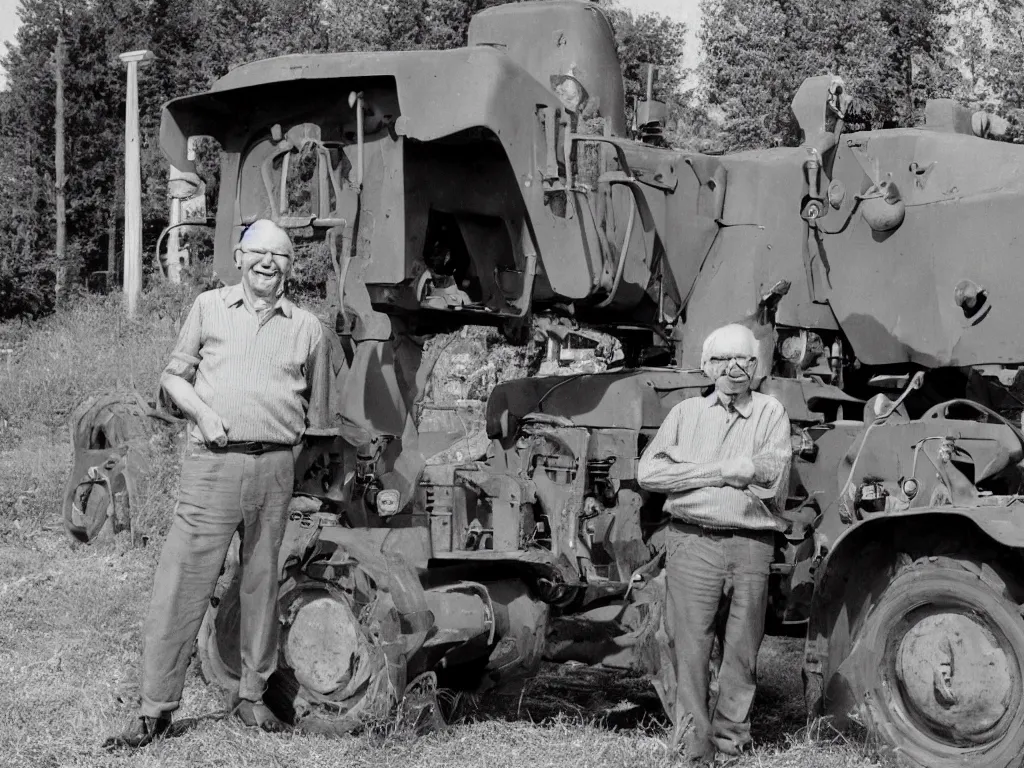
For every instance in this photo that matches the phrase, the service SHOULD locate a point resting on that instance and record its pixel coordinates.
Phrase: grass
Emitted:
(69, 657)
(70, 619)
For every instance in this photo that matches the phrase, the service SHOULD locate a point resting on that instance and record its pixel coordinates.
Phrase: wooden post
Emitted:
(60, 286)
(132, 183)
(174, 256)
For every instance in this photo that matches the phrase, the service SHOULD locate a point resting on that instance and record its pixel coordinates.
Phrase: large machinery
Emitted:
(496, 184)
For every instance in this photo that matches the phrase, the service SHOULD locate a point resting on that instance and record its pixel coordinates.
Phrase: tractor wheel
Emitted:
(92, 512)
(337, 669)
(938, 663)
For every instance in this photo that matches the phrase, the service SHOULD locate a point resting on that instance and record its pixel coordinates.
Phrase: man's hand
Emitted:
(213, 428)
(738, 472)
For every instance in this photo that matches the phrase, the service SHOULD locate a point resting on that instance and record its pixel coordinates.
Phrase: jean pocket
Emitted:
(760, 553)
(205, 480)
(676, 542)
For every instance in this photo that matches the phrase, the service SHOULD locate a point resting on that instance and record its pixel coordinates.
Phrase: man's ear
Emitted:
(238, 258)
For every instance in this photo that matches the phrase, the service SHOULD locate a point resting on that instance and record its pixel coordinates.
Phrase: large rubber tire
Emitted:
(363, 697)
(940, 662)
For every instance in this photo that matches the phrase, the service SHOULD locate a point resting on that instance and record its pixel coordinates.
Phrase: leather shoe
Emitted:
(139, 733)
(256, 714)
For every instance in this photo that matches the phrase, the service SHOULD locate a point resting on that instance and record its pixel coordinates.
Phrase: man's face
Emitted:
(263, 270)
(732, 363)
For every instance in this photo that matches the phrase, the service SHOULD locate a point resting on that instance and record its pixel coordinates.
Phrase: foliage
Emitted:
(892, 53)
(649, 38)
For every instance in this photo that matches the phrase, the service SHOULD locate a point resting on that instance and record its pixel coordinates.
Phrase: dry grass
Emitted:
(69, 658)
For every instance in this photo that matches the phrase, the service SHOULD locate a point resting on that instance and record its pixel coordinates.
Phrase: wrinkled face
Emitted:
(732, 360)
(264, 257)
(263, 271)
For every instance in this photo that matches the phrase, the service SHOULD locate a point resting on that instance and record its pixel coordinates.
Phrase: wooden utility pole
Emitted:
(132, 183)
(60, 287)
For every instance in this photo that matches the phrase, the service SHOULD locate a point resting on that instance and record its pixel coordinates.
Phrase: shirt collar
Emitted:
(234, 295)
(744, 404)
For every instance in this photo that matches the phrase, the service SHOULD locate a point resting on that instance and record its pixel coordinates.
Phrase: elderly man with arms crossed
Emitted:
(250, 371)
(719, 459)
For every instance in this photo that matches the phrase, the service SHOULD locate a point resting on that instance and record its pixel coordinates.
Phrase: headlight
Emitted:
(388, 502)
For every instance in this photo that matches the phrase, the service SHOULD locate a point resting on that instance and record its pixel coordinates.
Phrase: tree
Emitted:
(648, 38)
(892, 53)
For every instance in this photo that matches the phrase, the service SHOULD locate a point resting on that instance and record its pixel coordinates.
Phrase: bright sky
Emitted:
(8, 26)
(680, 10)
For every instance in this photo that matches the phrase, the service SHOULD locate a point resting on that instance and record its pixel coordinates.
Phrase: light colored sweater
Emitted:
(703, 432)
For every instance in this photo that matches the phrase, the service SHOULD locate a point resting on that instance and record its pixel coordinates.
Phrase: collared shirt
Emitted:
(266, 374)
(684, 461)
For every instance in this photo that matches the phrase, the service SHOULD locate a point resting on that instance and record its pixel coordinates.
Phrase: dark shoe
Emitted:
(141, 732)
(256, 714)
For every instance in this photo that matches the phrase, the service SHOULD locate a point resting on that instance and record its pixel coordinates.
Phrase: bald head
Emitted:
(265, 235)
(729, 357)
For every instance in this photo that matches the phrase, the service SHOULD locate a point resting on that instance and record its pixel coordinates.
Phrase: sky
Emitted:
(680, 10)
(8, 26)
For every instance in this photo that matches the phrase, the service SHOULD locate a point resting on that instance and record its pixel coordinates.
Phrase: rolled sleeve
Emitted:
(321, 412)
(185, 355)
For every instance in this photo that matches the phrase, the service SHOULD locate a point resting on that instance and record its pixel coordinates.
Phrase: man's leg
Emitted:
(750, 557)
(695, 577)
(267, 490)
(205, 519)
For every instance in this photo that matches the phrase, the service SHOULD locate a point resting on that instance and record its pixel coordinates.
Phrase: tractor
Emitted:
(500, 184)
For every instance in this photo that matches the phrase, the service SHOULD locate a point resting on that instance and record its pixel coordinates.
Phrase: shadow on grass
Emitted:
(626, 701)
(609, 698)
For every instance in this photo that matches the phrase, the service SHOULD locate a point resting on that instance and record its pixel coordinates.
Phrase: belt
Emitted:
(249, 447)
(712, 533)
(723, 533)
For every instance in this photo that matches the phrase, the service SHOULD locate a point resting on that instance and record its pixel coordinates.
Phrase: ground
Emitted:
(70, 643)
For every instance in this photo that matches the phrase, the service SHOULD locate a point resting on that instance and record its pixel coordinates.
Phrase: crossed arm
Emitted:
(665, 467)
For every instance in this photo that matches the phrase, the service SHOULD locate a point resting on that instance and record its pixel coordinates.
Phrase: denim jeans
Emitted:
(218, 494)
(710, 573)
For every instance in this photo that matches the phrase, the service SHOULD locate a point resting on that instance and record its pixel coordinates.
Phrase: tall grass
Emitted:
(71, 354)
(86, 348)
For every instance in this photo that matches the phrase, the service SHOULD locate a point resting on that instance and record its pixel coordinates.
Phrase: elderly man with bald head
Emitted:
(250, 372)
(723, 463)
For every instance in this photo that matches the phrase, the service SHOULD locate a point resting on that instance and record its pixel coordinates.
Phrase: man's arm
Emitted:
(176, 380)
(772, 460)
(663, 469)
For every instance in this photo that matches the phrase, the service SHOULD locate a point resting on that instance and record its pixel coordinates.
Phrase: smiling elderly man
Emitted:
(250, 371)
(718, 459)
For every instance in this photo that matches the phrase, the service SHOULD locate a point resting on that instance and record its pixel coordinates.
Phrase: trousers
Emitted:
(711, 577)
(219, 493)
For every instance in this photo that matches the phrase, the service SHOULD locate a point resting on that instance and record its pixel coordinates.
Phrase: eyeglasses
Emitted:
(262, 251)
(741, 360)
